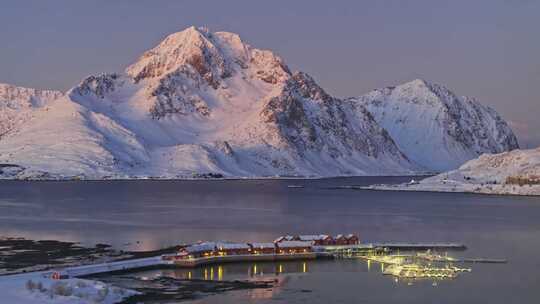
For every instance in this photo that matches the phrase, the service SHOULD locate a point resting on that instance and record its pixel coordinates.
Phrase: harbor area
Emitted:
(404, 259)
(208, 266)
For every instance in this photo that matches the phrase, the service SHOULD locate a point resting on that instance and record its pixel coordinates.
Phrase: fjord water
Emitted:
(146, 215)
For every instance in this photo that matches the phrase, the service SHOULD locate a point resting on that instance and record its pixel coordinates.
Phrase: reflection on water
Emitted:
(232, 271)
(276, 270)
(289, 279)
(278, 273)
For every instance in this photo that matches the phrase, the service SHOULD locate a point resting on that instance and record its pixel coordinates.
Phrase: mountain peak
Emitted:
(421, 81)
(191, 35)
(419, 91)
(208, 56)
(191, 48)
(417, 85)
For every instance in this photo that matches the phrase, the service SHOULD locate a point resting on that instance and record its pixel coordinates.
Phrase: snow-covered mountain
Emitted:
(200, 102)
(436, 128)
(516, 172)
(17, 105)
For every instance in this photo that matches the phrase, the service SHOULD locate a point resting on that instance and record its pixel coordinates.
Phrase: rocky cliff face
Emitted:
(311, 120)
(436, 128)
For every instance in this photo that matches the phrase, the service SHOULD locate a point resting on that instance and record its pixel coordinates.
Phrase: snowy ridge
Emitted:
(516, 172)
(205, 102)
(18, 103)
(434, 127)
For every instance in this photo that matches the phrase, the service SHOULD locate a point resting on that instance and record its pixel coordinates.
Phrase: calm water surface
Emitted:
(150, 214)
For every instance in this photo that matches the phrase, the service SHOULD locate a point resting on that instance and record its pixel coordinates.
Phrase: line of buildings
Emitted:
(285, 245)
(322, 239)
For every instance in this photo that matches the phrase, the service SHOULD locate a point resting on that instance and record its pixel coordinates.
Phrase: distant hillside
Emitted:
(436, 128)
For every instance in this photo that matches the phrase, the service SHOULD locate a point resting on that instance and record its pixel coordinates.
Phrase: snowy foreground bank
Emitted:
(39, 287)
(36, 288)
(511, 173)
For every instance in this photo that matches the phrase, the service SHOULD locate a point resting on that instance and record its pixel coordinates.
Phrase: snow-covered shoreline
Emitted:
(41, 287)
(463, 188)
(511, 173)
(187, 178)
(36, 288)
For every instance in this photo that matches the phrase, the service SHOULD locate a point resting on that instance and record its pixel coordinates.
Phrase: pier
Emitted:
(371, 248)
(420, 246)
(483, 260)
(93, 269)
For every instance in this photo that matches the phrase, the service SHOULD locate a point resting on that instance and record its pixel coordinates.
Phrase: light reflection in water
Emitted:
(234, 271)
(220, 273)
(284, 275)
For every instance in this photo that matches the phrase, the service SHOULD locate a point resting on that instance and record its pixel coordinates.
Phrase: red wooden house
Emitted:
(293, 247)
(263, 248)
(352, 239)
(340, 239)
(233, 249)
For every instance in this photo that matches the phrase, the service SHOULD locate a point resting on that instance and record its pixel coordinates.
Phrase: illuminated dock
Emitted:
(371, 248)
(420, 246)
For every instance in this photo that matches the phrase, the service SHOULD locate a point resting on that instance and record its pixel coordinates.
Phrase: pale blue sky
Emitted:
(486, 49)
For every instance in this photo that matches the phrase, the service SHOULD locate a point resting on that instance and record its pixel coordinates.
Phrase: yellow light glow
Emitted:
(304, 267)
(220, 273)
